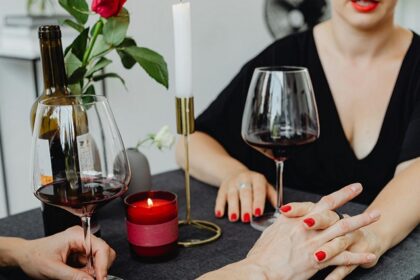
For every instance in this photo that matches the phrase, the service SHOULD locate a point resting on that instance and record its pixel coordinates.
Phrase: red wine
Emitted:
(278, 148)
(81, 198)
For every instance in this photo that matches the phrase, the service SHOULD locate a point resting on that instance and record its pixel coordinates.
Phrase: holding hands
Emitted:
(311, 237)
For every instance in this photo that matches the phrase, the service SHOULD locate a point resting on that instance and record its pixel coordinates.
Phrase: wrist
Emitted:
(10, 250)
(245, 270)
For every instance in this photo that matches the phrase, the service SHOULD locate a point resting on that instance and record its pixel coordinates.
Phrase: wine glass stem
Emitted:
(279, 183)
(88, 244)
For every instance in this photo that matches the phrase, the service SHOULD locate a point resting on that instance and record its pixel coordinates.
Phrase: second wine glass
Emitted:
(78, 158)
(280, 115)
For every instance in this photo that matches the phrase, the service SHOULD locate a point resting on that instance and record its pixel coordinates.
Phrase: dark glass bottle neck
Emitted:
(53, 65)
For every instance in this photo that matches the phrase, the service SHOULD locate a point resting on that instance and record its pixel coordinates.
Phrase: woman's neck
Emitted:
(357, 43)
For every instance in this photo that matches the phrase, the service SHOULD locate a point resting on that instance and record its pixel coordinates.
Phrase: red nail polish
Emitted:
(320, 255)
(257, 212)
(218, 214)
(309, 222)
(247, 218)
(285, 208)
(233, 217)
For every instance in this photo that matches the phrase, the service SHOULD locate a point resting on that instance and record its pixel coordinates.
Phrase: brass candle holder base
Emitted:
(199, 232)
(204, 227)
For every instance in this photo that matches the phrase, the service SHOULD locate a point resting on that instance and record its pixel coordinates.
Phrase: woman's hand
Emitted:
(245, 193)
(287, 249)
(315, 218)
(46, 258)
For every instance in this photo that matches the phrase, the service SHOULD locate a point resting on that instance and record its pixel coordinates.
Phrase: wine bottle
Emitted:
(55, 85)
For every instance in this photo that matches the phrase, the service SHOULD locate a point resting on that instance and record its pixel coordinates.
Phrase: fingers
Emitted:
(341, 272)
(221, 199)
(245, 196)
(321, 220)
(297, 209)
(62, 271)
(348, 258)
(349, 224)
(336, 246)
(338, 198)
(259, 188)
(104, 256)
(233, 204)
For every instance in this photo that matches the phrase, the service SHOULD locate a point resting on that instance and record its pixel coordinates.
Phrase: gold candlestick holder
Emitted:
(211, 231)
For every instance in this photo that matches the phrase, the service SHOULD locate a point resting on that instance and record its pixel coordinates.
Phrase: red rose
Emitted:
(107, 8)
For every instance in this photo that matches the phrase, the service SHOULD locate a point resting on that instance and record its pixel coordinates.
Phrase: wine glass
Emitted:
(280, 115)
(78, 158)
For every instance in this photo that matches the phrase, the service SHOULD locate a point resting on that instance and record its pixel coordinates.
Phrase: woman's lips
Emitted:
(364, 6)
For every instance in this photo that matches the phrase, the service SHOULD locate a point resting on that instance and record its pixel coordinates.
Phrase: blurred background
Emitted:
(225, 34)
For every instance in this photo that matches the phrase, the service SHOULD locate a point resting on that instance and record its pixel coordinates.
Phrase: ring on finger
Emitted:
(340, 216)
(243, 185)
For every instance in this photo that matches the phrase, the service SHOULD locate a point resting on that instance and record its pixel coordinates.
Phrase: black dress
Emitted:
(329, 163)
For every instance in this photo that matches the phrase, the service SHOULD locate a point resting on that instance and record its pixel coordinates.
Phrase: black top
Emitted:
(330, 162)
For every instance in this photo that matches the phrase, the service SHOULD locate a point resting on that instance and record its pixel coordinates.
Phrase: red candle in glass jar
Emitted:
(152, 223)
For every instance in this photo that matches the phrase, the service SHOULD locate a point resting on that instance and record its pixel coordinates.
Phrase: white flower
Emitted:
(163, 139)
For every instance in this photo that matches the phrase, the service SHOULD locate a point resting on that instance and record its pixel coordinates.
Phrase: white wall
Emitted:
(226, 33)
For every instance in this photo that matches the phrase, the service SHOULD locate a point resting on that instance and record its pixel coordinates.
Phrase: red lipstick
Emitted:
(364, 6)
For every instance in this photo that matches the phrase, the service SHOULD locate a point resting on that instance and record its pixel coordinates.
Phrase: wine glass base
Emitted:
(262, 222)
(110, 277)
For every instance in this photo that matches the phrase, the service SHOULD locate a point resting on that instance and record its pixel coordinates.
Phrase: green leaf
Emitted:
(126, 59)
(74, 25)
(79, 44)
(72, 63)
(127, 42)
(76, 88)
(101, 64)
(115, 28)
(90, 90)
(77, 75)
(152, 62)
(100, 48)
(99, 22)
(109, 75)
(79, 9)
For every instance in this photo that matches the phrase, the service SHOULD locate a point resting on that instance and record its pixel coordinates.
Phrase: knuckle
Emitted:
(345, 226)
(328, 201)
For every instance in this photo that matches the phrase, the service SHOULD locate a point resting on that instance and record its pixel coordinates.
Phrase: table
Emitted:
(402, 262)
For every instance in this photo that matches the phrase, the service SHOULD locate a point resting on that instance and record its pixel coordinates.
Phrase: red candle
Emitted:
(152, 223)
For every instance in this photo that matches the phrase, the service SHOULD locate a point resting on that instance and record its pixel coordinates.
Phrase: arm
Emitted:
(399, 203)
(8, 249)
(209, 161)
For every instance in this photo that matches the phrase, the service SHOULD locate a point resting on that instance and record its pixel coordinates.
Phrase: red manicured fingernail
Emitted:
(320, 255)
(257, 212)
(233, 217)
(247, 218)
(285, 208)
(218, 214)
(309, 221)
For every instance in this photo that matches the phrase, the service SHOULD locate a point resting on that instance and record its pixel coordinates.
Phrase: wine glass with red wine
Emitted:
(280, 117)
(78, 158)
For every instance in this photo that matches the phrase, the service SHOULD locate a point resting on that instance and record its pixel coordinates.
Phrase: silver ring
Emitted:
(243, 185)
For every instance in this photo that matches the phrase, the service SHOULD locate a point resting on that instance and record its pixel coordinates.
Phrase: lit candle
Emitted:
(183, 61)
(152, 223)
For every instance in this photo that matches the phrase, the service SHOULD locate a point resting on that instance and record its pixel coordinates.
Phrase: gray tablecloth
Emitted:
(402, 262)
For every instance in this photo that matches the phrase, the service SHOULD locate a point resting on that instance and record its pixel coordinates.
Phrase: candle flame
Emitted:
(149, 202)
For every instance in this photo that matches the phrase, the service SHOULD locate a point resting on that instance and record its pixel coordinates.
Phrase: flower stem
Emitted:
(98, 28)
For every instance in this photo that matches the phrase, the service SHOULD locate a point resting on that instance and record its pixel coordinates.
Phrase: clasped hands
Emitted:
(312, 234)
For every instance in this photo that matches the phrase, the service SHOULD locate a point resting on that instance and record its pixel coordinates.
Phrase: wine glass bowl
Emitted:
(280, 116)
(78, 158)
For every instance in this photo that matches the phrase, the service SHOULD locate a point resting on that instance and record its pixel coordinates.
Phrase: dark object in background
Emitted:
(284, 17)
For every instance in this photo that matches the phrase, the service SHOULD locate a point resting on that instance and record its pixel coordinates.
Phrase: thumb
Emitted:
(62, 271)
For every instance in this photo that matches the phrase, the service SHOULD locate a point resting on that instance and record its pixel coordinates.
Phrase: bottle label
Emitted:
(84, 148)
(152, 235)
(44, 161)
